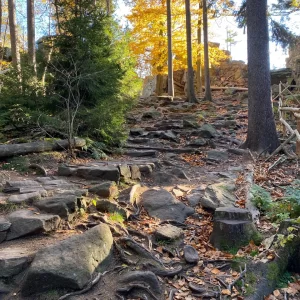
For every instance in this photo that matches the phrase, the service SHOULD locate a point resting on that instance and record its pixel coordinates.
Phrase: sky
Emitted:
(219, 29)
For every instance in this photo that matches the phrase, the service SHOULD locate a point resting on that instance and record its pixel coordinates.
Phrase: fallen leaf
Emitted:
(226, 292)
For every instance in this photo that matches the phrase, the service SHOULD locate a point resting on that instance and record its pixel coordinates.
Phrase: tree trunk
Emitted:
(13, 34)
(208, 96)
(199, 64)
(262, 133)
(170, 54)
(31, 33)
(1, 20)
(190, 76)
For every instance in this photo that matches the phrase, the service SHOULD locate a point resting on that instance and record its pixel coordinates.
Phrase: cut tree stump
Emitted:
(39, 146)
(233, 228)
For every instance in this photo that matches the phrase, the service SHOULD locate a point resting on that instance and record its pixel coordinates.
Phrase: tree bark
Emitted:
(170, 54)
(190, 73)
(208, 96)
(1, 20)
(13, 34)
(31, 34)
(262, 133)
(199, 64)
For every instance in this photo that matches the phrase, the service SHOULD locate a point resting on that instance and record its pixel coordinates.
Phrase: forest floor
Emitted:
(188, 160)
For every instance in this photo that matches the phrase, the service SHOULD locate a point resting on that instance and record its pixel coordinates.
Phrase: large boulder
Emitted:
(26, 222)
(13, 260)
(70, 263)
(102, 172)
(163, 205)
(218, 195)
(106, 189)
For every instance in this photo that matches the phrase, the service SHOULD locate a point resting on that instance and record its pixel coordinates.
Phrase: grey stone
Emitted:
(152, 114)
(230, 91)
(104, 205)
(168, 135)
(65, 205)
(198, 143)
(136, 131)
(107, 189)
(3, 235)
(26, 198)
(26, 222)
(13, 260)
(135, 172)
(66, 171)
(125, 171)
(217, 195)
(207, 131)
(140, 153)
(190, 124)
(22, 183)
(145, 169)
(190, 254)
(163, 178)
(232, 213)
(69, 264)
(179, 173)
(4, 224)
(103, 172)
(168, 233)
(163, 205)
(194, 199)
(218, 156)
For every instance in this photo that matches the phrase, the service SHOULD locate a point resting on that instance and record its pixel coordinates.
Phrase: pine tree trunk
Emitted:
(13, 34)
(1, 21)
(31, 33)
(208, 96)
(170, 54)
(199, 64)
(190, 73)
(262, 133)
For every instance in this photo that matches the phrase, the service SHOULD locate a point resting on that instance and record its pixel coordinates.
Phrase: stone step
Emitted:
(161, 149)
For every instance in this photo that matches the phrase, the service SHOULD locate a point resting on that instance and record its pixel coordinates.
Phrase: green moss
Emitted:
(116, 217)
(273, 271)
(18, 163)
(257, 238)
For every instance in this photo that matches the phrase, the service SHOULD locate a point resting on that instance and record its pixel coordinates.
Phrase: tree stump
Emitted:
(233, 228)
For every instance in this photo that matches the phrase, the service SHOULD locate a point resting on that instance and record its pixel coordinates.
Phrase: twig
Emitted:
(252, 156)
(242, 274)
(280, 160)
(222, 282)
(172, 293)
(89, 286)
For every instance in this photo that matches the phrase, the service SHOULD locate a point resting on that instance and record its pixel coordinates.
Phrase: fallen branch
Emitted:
(242, 274)
(280, 160)
(281, 146)
(89, 286)
(39, 168)
(9, 150)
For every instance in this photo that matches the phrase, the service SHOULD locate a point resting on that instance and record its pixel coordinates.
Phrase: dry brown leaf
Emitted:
(226, 292)
(276, 293)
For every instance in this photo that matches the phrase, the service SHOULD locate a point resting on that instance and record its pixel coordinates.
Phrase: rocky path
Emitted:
(65, 233)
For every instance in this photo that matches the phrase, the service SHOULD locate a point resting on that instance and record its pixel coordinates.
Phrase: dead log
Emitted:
(9, 150)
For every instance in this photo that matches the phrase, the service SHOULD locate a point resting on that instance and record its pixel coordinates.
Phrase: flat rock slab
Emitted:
(163, 205)
(26, 222)
(25, 198)
(168, 233)
(64, 205)
(218, 195)
(217, 156)
(106, 189)
(13, 260)
(70, 263)
(105, 173)
(140, 153)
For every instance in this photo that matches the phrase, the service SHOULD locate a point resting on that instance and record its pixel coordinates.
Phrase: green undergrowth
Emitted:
(116, 218)
(18, 163)
(277, 210)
